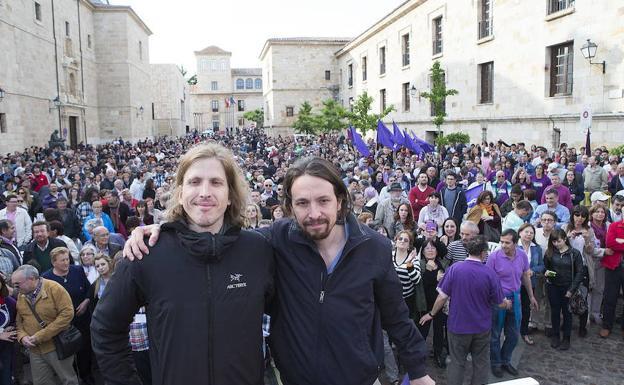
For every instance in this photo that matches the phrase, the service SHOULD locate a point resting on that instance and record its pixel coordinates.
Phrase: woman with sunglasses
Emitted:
(564, 274)
(582, 238)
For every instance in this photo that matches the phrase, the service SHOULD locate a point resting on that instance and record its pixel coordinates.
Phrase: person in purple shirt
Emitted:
(539, 181)
(564, 193)
(475, 288)
(511, 265)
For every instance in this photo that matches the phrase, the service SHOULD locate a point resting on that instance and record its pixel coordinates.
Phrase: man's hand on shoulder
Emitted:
(135, 246)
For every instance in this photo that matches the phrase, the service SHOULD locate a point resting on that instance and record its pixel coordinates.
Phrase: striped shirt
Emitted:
(456, 251)
(409, 278)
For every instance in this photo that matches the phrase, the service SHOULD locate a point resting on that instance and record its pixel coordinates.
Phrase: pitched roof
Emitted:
(212, 50)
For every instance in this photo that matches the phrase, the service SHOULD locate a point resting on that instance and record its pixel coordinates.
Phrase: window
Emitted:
(37, 11)
(67, 29)
(486, 85)
(327, 75)
(382, 60)
(290, 111)
(431, 105)
(485, 19)
(405, 88)
(405, 49)
(249, 83)
(559, 5)
(215, 105)
(3, 123)
(483, 134)
(241, 105)
(382, 100)
(182, 114)
(215, 124)
(350, 74)
(214, 85)
(258, 84)
(351, 104)
(240, 84)
(223, 65)
(561, 69)
(364, 68)
(437, 35)
(153, 112)
(89, 41)
(141, 50)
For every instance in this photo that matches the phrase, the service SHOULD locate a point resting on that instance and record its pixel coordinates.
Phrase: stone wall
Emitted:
(169, 92)
(521, 109)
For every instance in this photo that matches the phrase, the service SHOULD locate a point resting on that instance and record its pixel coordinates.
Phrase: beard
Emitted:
(320, 233)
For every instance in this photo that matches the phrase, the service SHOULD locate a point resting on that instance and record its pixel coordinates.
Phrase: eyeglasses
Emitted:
(548, 220)
(403, 239)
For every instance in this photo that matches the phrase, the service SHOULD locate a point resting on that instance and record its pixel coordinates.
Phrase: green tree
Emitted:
(182, 70)
(256, 115)
(361, 118)
(306, 122)
(331, 117)
(192, 80)
(437, 95)
(453, 138)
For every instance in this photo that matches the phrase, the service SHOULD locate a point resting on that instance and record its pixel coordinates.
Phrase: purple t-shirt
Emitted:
(509, 271)
(474, 288)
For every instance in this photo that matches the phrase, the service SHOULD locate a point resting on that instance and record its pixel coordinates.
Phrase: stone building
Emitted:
(80, 67)
(169, 108)
(222, 94)
(518, 68)
(297, 70)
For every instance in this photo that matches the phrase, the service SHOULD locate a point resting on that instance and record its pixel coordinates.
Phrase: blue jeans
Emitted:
(502, 356)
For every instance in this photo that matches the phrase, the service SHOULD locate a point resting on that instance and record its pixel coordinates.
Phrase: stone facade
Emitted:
(297, 70)
(222, 94)
(518, 37)
(80, 67)
(169, 109)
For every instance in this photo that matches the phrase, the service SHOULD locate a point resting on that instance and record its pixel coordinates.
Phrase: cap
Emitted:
(599, 196)
(396, 187)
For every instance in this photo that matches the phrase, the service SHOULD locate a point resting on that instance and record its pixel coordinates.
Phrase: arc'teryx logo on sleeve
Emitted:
(237, 277)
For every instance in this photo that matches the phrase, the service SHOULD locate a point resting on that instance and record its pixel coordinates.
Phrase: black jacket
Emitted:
(564, 265)
(460, 206)
(327, 329)
(615, 185)
(204, 295)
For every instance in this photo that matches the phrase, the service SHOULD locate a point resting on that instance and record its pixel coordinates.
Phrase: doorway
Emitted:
(73, 132)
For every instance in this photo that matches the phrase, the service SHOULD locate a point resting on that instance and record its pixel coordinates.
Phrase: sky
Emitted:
(181, 27)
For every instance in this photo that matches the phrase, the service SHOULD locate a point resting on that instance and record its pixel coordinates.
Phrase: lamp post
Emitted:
(589, 52)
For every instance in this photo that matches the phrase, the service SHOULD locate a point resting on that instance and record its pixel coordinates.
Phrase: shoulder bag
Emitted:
(577, 304)
(67, 342)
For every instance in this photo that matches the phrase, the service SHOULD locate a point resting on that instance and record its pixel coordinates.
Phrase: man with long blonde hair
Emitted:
(204, 285)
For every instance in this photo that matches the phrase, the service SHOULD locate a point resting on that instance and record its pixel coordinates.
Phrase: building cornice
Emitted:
(385, 21)
(124, 9)
(302, 41)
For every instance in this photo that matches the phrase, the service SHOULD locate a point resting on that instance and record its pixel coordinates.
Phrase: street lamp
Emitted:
(2, 93)
(54, 103)
(414, 92)
(589, 52)
(140, 111)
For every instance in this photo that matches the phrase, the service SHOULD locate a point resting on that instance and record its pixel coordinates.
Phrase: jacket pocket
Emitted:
(366, 355)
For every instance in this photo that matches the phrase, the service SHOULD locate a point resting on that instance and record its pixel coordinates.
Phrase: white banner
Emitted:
(585, 119)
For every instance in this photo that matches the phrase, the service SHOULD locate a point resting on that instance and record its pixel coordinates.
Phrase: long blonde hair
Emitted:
(238, 191)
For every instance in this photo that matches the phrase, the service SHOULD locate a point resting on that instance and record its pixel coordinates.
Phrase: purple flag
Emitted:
(397, 137)
(424, 145)
(473, 194)
(358, 142)
(384, 136)
(588, 144)
(411, 145)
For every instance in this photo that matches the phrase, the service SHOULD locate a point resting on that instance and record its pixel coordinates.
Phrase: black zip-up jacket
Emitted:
(562, 265)
(327, 330)
(204, 295)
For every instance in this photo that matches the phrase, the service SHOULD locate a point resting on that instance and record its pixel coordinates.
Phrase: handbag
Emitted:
(67, 342)
(577, 304)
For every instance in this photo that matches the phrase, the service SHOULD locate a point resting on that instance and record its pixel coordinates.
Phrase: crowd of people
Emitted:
(489, 243)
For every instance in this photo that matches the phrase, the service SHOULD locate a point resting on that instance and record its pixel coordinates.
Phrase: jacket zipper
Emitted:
(211, 375)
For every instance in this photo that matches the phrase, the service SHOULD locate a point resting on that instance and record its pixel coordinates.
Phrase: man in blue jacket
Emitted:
(336, 288)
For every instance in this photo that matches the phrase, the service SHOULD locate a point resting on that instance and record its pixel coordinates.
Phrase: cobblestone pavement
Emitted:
(590, 361)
